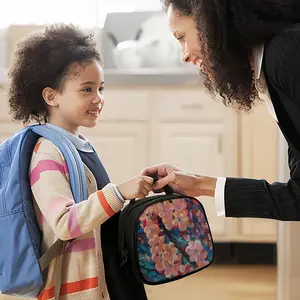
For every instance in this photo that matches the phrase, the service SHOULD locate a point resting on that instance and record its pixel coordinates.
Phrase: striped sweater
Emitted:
(59, 217)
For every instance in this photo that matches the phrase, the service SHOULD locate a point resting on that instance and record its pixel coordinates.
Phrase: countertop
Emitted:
(146, 77)
(163, 77)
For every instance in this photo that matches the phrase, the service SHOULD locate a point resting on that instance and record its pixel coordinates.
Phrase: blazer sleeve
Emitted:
(258, 198)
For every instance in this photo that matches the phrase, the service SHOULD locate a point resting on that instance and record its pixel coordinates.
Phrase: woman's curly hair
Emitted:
(228, 31)
(42, 60)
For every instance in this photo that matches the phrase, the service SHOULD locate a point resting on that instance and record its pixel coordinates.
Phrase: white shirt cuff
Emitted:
(219, 196)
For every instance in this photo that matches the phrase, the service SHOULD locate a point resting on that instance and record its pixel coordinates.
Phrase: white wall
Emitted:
(88, 13)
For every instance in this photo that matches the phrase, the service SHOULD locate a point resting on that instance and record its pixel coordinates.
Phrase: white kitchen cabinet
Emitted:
(258, 150)
(196, 133)
(197, 148)
(122, 148)
(141, 126)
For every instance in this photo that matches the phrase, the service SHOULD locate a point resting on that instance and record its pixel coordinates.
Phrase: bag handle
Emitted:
(167, 189)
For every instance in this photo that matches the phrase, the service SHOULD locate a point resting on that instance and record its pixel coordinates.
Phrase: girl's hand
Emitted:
(181, 181)
(137, 187)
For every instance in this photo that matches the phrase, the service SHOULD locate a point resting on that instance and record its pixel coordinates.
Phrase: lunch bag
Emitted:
(165, 237)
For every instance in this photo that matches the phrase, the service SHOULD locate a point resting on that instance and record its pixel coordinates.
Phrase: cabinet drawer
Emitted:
(126, 105)
(188, 105)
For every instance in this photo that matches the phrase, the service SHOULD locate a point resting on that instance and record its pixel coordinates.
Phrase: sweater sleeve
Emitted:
(51, 190)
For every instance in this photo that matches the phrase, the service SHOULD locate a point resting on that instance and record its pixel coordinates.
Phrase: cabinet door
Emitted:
(258, 160)
(122, 147)
(197, 148)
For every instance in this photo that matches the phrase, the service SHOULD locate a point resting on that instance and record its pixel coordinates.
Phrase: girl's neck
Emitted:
(65, 125)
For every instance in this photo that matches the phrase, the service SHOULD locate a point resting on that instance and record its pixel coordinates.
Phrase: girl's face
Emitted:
(81, 101)
(185, 31)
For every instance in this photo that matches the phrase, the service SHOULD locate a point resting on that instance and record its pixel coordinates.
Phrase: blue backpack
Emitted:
(21, 264)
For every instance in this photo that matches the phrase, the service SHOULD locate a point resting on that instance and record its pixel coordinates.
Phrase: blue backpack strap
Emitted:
(78, 187)
(72, 157)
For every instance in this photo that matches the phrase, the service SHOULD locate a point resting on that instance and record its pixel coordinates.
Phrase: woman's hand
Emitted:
(181, 181)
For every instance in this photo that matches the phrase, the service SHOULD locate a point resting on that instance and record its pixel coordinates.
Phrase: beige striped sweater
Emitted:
(82, 275)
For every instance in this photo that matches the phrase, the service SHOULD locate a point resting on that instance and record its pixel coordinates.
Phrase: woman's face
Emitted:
(185, 31)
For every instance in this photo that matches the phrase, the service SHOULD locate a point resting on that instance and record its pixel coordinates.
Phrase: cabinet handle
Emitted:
(192, 106)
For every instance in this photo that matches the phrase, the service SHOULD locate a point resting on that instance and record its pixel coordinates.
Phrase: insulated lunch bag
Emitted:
(165, 237)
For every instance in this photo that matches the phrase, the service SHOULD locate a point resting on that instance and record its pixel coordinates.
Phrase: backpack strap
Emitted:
(56, 250)
(78, 187)
(72, 157)
(49, 255)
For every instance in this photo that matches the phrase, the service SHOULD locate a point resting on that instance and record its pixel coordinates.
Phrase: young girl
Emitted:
(56, 78)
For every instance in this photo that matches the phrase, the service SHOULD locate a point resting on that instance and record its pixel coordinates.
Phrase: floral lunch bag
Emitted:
(165, 237)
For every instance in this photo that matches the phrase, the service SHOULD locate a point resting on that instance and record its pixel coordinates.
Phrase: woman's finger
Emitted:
(150, 171)
(159, 184)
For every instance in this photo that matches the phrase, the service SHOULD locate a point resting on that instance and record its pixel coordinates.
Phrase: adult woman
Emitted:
(241, 46)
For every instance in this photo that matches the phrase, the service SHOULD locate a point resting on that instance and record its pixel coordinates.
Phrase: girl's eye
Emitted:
(87, 90)
(101, 89)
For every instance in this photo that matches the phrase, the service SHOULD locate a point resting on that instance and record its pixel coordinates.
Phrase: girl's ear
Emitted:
(49, 96)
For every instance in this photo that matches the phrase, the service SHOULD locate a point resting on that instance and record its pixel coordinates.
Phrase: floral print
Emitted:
(173, 240)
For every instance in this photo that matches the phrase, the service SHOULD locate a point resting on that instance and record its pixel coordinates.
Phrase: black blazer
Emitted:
(259, 198)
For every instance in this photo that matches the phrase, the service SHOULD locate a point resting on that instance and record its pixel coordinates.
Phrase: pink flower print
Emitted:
(195, 252)
(181, 220)
(168, 223)
(165, 210)
(152, 230)
(185, 269)
(158, 262)
(203, 256)
(180, 205)
(169, 254)
(156, 241)
(156, 249)
(171, 270)
(149, 216)
(157, 257)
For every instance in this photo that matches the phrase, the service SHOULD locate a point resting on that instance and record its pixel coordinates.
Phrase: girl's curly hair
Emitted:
(43, 60)
(228, 32)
